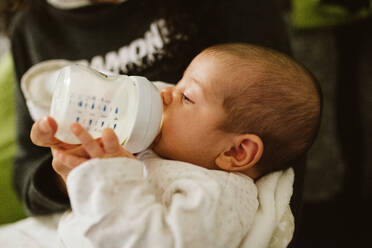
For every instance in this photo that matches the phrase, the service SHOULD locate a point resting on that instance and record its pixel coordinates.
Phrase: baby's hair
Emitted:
(277, 99)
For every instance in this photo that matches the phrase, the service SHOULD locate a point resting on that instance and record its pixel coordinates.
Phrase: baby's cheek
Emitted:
(164, 145)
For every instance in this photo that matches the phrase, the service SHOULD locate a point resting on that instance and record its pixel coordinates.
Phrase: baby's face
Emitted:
(193, 113)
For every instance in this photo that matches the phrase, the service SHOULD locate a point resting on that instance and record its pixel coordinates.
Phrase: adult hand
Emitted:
(63, 164)
(43, 134)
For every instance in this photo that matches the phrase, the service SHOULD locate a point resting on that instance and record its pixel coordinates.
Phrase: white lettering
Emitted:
(137, 50)
(153, 38)
(97, 63)
(141, 51)
(112, 62)
(164, 30)
(124, 59)
(153, 42)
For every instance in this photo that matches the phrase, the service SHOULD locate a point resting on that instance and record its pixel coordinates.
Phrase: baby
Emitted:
(238, 113)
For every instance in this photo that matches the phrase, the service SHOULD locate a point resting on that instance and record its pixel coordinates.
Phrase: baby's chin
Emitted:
(162, 150)
(156, 141)
(156, 146)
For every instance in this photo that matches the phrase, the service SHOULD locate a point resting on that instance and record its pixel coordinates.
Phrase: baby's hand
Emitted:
(107, 146)
(43, 134)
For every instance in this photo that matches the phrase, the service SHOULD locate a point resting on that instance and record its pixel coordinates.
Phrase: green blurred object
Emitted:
(320, 14)
(10, 208)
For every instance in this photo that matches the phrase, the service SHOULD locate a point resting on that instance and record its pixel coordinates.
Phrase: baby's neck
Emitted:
(252, 173)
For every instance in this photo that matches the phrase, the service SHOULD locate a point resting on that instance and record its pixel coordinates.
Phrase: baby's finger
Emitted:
(68, 160)
(110, 141)
(91, 145)
(42, 132)
(112, 146)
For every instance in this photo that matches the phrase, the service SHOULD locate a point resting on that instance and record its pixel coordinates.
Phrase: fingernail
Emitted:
(57, 153)
(45, 125)
(74, 127)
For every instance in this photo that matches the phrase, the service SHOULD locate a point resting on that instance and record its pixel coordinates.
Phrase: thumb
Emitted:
(43, 131)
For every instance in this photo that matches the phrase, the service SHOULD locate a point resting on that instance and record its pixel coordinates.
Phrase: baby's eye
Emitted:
(186, 99)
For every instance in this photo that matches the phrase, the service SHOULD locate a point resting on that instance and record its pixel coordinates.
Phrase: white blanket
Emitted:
(33, 232)
(176, 204)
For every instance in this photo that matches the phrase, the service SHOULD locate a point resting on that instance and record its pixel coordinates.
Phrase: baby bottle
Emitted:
(130, 105)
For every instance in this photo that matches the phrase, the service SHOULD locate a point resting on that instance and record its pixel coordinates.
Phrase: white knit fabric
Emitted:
(176, 205)
(120, 202)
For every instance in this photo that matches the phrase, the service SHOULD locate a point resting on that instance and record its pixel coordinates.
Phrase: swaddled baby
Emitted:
(238, 113)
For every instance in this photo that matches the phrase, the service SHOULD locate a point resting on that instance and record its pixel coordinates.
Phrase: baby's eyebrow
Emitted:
(200, 85)
(196, 81)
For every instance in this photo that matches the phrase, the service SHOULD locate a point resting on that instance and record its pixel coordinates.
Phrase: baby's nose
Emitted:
(166, 95)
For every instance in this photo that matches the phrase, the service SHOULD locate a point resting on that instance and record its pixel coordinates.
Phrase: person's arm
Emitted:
(35, 181)
(114, 204)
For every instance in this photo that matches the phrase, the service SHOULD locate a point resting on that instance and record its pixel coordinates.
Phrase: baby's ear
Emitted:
(244, 153)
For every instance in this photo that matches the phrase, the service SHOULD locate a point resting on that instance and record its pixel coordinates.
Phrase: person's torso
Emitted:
(135, 37)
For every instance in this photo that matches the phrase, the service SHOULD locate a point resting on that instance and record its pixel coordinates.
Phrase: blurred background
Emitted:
(4, 44)
(333, 38)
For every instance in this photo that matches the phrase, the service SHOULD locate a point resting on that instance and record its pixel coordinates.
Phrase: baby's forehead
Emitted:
(232, 74)
(225, 88)
(236, 77)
